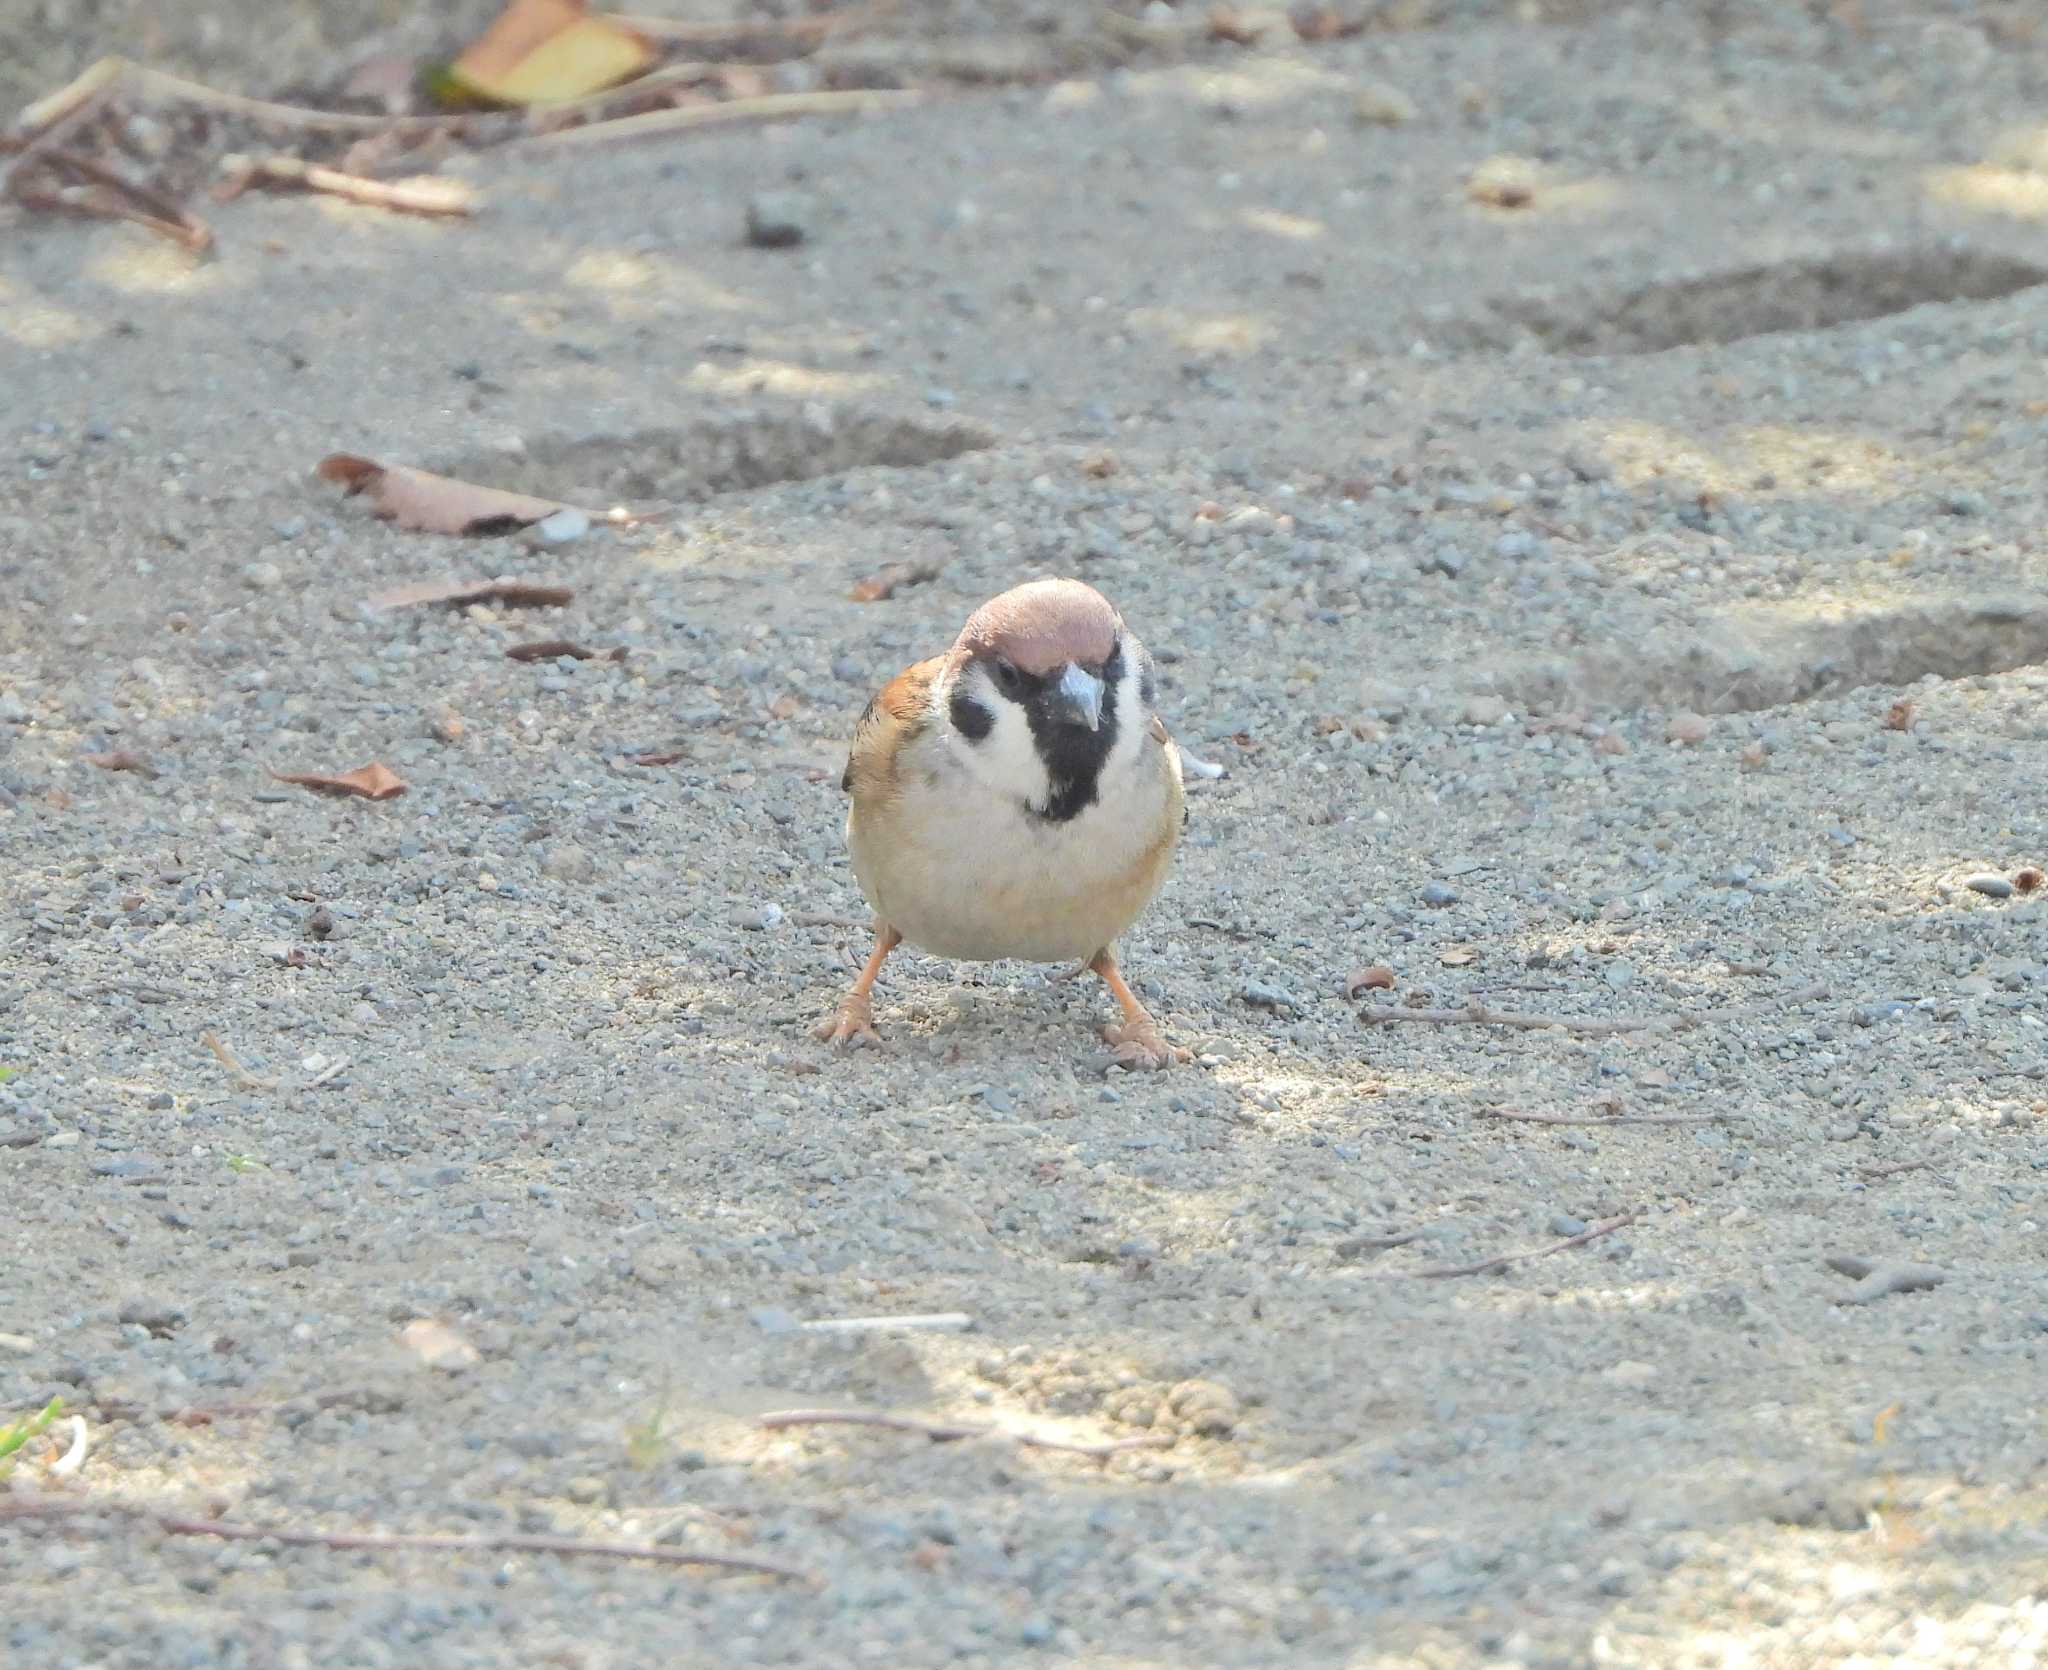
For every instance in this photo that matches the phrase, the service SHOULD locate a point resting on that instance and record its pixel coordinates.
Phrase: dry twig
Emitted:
(1477, 1014)
(1603, 1119)
(233, 1063)
(811, 28)
(768, 107)
(71, 1508)
(1501, 1261)
(1352, 1246)
(419, 197)
(940, 1432)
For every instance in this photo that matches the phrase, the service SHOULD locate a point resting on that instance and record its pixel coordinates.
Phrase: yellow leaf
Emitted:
(548, 51)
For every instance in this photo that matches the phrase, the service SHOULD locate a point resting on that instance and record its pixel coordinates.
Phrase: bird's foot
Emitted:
(1138, 1046)
(852, 1024)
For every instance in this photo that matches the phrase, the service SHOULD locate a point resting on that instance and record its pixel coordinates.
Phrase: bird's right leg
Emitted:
(853, 1022)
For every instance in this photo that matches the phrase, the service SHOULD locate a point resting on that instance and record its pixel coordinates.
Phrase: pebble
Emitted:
(1263, 996)
(1485, 710)
(1991, 886)
(757, 918)
(262, 576)
(1439, 893)
(1381, 105)
(569, 863)
(1563, 1223)
(779, 219)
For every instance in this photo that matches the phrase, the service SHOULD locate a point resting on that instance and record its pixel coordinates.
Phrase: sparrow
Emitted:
(1016, 797)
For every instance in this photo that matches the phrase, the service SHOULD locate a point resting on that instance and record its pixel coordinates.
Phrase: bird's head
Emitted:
(1045, 681)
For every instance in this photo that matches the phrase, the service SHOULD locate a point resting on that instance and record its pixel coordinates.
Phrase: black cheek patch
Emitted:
(970, 718)
(1148, 686)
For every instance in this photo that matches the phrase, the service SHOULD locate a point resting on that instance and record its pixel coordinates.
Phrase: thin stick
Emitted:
(419, 197)
(333, 1070)
(1356, 1244)
(37, 124)
(1597, 1119)
(940, 1321)
(767, 108)
(233, 1063)
(943, 1433)
(66, 1507)
(814, 27)
(156, 210)
(1486, 1266)
(49, 202)
(1477, 1014)
(286, 115)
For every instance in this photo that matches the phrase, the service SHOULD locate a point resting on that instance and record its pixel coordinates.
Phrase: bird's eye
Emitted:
(1008, 679)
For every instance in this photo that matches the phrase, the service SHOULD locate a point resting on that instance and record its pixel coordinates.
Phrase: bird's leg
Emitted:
(1137, 1040)
(853, 1022)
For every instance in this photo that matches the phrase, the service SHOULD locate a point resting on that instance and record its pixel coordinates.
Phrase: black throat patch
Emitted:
(1074, 757)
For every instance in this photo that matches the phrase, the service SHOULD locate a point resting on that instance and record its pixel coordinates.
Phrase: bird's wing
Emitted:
(899, 713)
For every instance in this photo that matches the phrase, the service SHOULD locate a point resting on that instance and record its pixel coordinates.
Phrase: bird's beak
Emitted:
(1077, 698)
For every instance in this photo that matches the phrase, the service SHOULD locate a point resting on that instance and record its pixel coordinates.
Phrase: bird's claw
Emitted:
(1139, 1048)
(850, 1026)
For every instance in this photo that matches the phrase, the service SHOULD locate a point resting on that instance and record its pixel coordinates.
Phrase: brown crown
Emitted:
(1042, 625)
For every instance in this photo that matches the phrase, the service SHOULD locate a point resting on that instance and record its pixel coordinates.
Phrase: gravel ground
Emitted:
(1620, 604)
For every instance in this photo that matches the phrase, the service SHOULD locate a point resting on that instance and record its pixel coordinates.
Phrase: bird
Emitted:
(1017, 797)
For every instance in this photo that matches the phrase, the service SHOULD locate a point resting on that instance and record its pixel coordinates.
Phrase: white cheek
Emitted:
(1006, 760)
(1131, 720)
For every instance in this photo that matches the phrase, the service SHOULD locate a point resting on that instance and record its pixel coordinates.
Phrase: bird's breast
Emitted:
(963, 871)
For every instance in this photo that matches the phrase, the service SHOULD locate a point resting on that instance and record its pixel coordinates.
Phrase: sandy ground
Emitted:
(1618, 606)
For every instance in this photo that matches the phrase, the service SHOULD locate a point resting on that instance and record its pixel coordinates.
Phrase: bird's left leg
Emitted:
(1137, 1040)
(853, 1021)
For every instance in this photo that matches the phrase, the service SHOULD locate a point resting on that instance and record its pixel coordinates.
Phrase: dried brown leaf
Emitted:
(667, 756)
(891, 577)
(1378, 978)
(553, 649)
(514, 594)
(1327, 23)
(429, 503)
(371, 782)
(2027, 881)
(1225, 24)
(121, 759)
(547, 51)
(1458, 956)
(1899, 716)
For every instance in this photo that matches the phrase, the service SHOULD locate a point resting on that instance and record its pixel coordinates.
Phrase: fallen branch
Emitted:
(1477, 1014)
(1501, 1261)
(947, 1433)
(419, 197)
(68, 1508)
(768, 107)
(1607, 1119)
(233, 1063)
